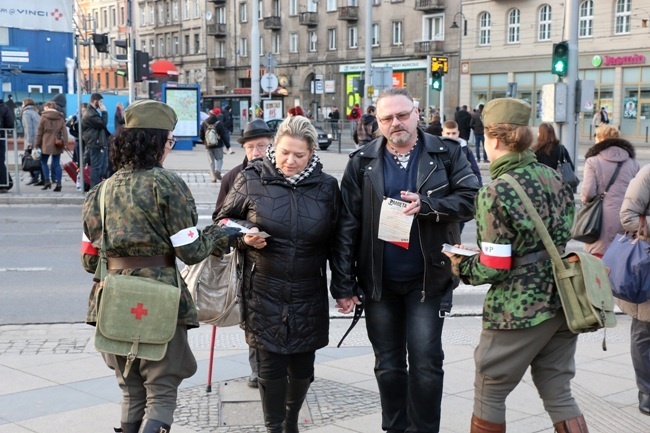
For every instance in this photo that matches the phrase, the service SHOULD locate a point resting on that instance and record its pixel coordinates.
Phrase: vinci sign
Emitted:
(51, 15)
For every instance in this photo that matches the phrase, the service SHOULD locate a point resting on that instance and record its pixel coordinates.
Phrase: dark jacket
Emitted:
(552, 159)
(477, 123)
(6, 116)
(227, 182)
(226, 118)
(221, 130)
(434, 128)
(463, 119)
(365, 131)
(447, 193)
(285, 304)
(93, 125)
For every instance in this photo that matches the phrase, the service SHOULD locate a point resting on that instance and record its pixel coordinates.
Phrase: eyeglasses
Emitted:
(402, 117)
(172, 142)
(260, 147)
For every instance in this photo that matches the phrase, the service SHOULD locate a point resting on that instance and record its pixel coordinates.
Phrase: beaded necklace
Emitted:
(402, 159)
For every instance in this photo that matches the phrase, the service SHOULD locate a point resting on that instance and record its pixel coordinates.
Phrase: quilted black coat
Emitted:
(285, 283)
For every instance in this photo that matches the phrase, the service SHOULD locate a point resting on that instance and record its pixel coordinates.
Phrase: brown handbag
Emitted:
(58, 141)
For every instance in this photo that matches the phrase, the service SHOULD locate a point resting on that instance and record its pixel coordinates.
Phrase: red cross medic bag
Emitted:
(136, 316)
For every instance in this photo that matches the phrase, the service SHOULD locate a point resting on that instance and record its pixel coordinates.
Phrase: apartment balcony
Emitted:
(217, 30)
(272, 23)
(309, 19)
(429, 5)
(349, 13)
(428, 47)
(217, 63)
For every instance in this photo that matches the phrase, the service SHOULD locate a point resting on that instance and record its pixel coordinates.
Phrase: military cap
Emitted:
(506, 110)
(147, 113)
(255, 129)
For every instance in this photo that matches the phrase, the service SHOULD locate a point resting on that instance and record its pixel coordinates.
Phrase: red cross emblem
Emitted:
(56, 14)
(139, 311)
(190, 234)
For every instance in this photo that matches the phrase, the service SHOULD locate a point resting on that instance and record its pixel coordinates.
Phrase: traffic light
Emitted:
(124, 45)
(141, 66)
(560, 64)
(436, 81)
(100, 41)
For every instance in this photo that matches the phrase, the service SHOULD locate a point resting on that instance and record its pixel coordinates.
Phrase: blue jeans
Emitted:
(98, 164)
(478, 140)
(56, 168)
(399, 325)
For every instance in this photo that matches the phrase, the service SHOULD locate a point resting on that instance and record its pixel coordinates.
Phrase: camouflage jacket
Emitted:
(148, 213)
(523, 296)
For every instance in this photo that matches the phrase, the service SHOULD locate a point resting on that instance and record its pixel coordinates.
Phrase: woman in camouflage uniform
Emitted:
(150, 219)
(523, 324)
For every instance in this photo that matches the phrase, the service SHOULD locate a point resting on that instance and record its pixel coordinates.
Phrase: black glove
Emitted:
(233, 234)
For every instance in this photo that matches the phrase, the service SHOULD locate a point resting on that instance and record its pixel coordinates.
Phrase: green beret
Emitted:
(147, 113)
(506, 110)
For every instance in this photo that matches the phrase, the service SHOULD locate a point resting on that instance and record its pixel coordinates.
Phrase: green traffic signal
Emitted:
(436, 81)
(560, 65)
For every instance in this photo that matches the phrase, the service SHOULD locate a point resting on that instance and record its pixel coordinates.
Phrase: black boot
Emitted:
(47, 185)
(154, 426)
(274, 398)
(296, 393)
(57, 188)
(128, 427)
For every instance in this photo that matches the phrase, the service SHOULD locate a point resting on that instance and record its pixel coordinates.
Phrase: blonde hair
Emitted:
(605, 132)
(516, 138)
(300, 128)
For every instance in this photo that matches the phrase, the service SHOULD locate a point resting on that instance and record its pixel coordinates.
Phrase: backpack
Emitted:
(212, 136)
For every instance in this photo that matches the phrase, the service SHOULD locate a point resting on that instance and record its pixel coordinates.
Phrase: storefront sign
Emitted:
(633, 59)
(401, 66)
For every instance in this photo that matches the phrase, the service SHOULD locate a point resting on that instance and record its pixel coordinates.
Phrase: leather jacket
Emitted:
(93, 125)
(447, 187)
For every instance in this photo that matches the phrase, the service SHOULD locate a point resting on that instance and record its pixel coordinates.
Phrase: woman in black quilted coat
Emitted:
(287, 195)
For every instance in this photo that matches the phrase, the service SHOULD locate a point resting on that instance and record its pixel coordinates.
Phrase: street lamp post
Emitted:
(463, 32)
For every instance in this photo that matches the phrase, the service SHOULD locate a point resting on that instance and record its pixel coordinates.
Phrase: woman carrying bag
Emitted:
(601, 162)
(149, 221)
(636, 204)
(51, 138)
(523, 322)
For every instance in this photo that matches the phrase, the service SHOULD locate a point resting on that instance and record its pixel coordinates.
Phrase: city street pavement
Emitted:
(53, 380)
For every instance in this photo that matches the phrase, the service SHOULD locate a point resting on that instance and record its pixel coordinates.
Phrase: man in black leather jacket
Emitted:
(403, 285)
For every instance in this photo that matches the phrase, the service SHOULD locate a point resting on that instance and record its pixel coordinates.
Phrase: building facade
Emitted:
(209, 41)
(512, 42)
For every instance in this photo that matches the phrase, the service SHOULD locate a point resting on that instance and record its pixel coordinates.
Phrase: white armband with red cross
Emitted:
(87, 246)
(185, 237)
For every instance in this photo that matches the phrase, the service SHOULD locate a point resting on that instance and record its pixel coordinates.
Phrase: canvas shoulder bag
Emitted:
(581, 278)
(588, 224)
(136, 316)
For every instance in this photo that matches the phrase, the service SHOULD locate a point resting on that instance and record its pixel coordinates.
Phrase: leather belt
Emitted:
(535, 257)
(166, 261)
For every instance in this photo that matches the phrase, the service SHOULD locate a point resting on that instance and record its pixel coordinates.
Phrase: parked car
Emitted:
(324, 138)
